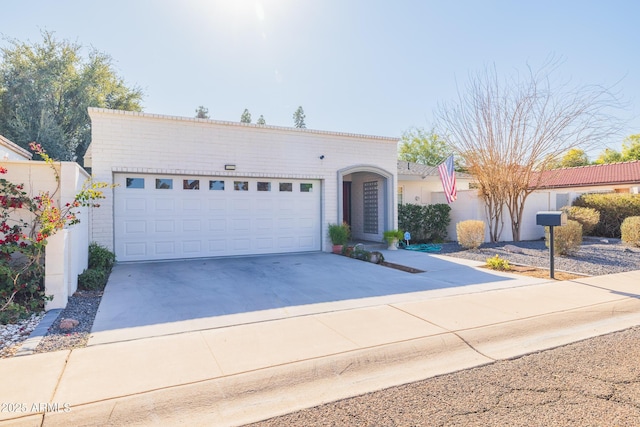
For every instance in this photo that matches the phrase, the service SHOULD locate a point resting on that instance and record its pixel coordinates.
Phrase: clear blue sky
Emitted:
(361, 66)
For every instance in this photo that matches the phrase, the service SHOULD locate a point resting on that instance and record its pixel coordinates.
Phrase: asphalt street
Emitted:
(595, 382)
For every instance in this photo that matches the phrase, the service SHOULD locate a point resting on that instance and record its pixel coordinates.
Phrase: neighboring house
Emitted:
(12, 151)
(569, 183)
(192, 187)
(557, 188)
(67, 251)
(418, 184)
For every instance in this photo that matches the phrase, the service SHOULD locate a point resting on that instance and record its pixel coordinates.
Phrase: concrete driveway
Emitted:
(161, 298)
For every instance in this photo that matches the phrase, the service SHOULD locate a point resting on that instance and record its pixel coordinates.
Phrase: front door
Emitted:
(346, 202)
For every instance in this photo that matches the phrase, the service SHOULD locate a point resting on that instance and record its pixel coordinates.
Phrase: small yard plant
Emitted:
(390, 235)
(497, 263)
(630, 230)
(339, 233)
(587, 217)
(101, 262)
(470, 233)
(566, 239)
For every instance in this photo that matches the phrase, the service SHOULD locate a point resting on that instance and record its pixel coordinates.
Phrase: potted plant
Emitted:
(339, 235)
(392, 237)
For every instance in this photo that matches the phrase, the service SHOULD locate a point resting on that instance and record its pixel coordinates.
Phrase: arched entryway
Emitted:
(366, 201)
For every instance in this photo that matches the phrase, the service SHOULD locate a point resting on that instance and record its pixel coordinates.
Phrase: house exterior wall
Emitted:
(418, 191)
(66, 254)
(148, 143)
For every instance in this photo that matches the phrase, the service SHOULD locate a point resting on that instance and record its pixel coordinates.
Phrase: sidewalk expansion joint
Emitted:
(448, 331)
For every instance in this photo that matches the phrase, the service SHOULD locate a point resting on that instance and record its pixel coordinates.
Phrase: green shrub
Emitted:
(100, 257)
(587, 217)
(566, 239)
(613, 208)
(426, 223)
(470, 233)
(93, 279)
(101, 262)
(497, 263)
(630, 231)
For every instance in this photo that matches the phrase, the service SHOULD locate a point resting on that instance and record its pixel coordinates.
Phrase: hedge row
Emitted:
(613, 208)
(426, 223)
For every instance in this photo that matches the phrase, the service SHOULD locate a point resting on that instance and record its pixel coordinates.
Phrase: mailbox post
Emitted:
(551, 219)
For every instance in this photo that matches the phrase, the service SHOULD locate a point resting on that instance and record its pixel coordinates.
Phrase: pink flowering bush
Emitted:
(25, 225)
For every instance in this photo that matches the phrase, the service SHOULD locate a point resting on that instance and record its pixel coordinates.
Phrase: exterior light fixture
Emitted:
(229, 167)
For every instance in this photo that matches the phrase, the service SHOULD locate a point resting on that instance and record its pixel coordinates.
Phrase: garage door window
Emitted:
(286, 186)
(135, 182)
(241, 185)
(191, 184)
(216, 185)
(164, 183)
(306, 188)
(264, 186)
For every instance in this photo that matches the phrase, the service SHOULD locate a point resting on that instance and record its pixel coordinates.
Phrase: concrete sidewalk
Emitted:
(234, 375)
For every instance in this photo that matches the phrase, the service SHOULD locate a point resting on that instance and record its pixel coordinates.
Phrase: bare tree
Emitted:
(508, 130)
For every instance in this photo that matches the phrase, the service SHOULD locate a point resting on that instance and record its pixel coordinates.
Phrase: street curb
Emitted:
(252, 396)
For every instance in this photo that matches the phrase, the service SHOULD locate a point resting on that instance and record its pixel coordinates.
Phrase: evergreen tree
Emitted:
(202, 112)
(298, 118)
(246, 116)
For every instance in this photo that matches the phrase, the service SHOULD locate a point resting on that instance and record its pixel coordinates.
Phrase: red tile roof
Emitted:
(585, 176)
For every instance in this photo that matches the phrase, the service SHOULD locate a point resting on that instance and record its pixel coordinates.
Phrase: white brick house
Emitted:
(200, 188)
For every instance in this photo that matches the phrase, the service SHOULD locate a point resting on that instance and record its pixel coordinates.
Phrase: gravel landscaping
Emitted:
(596, 256)
(82, 307)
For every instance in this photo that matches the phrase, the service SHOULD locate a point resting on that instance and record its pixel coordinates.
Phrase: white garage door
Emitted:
(167, 217)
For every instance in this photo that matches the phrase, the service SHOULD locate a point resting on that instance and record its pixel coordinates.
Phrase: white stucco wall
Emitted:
(149, 143)
(470, 205)
(418, 191)
(67, 251)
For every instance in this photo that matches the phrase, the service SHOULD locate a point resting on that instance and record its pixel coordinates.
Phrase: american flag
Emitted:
(448, 178)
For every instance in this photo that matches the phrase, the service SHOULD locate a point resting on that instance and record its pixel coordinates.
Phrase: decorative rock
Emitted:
(12, 335)
(67, 324)
(513, 249)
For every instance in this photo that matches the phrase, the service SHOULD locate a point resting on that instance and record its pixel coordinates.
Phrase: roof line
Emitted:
(16, 147)
(239, 124)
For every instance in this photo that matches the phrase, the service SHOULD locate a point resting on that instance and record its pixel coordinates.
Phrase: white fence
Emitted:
(470, 205)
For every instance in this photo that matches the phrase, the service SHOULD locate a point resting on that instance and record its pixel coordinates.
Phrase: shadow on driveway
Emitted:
(159, 293)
